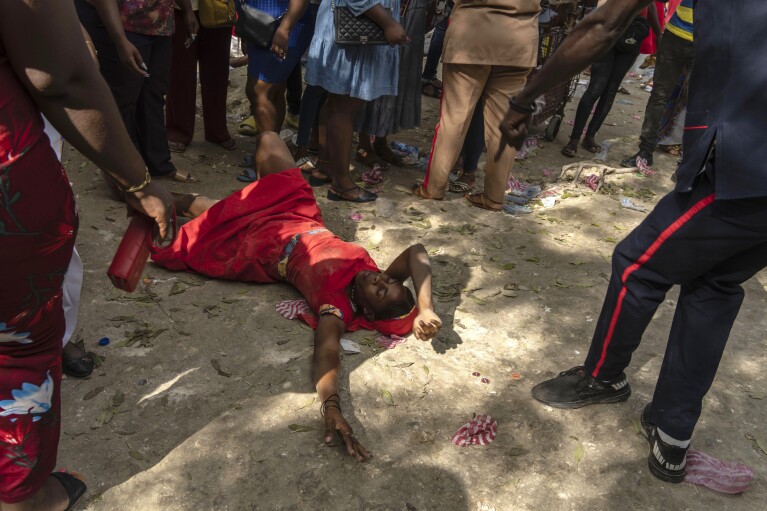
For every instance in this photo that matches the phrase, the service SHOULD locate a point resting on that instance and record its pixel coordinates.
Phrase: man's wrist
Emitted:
(521, 105)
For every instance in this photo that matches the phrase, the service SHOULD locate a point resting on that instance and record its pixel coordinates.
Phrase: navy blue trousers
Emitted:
(709, 248)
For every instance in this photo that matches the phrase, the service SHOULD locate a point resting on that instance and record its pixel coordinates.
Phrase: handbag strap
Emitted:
(390, 8)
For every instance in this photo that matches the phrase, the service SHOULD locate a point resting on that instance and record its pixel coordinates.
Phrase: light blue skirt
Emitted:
(364, 72)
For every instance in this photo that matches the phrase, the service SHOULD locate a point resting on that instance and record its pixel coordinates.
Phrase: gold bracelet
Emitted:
(134, 189)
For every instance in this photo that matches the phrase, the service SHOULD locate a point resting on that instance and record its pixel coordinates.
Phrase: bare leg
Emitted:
(269, 104)
(192, 205)
(51, 497)
(272, 155)
(339, 124)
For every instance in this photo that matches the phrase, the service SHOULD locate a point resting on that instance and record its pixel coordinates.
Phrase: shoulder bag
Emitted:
(217, 13)
(356, 30)
(632, 38)
(256, 27)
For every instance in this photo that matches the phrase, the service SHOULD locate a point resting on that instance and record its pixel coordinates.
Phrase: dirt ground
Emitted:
(198, 395)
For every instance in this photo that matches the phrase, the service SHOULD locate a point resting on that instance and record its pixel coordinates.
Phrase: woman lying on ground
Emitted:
(272, 231)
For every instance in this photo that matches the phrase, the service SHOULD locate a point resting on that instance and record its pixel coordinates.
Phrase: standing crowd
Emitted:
(118, 79)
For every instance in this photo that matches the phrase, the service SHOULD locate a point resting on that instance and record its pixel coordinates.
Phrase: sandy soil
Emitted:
(193, 403)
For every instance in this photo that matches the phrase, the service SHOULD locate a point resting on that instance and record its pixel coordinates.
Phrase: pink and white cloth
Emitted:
(390, 342)
(481, 430)
(718, 475)
(292, 309)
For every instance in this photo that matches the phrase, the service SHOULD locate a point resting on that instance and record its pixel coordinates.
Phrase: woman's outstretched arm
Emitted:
(327, 340)
(414, 263)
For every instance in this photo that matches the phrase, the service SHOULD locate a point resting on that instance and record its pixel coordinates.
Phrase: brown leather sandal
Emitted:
(419, 191)
(480, 200)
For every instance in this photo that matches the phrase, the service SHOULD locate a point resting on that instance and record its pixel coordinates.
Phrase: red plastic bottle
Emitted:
(132, 254)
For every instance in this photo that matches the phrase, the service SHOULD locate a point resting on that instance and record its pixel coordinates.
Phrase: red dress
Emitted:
(272, 231)
(38, 224)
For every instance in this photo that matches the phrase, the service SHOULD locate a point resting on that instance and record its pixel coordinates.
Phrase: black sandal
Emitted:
(590, 145)
(338, 195)
(74, 487)
(77, 366)
(571, 149)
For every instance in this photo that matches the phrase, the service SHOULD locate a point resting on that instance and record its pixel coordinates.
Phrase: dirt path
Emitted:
(193, 404)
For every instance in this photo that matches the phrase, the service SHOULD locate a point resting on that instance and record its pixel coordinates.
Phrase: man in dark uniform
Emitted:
(709, 235)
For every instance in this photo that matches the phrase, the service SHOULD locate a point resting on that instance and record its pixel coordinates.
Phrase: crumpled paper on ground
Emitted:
(481, 430)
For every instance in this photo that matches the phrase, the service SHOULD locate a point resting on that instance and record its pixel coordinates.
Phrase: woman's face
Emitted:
(378, 292)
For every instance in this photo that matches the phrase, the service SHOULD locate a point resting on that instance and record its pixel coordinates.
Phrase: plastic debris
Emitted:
(485, 380)
(521, 201)
(592, 181)
(515, 209)
(384, 207)
(516, 376)
(636, 117)
(350, 347)
(621, 101)
(390, 342)
(604, 150)
(718, 475)
(372, 176)
(104, 341)
(481, 430)
(522, 189)
(627, 203)
(356, 217)
(548, 202)
(529, 147)
(475, 373)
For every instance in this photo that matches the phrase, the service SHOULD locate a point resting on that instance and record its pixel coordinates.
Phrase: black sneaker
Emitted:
(575, 388)
(666, 462)
(631, 161)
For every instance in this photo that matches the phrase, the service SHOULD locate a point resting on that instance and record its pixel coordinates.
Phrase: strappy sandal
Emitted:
(431, 89)
(419, 191)
(339, 195)
(180, 176)
(307, 164)
(74, 487)
(673, 150)
(369, 159)
(480, 200)
(459, 186)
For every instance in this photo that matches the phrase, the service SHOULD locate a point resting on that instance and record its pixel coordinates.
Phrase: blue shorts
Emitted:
(265, 65)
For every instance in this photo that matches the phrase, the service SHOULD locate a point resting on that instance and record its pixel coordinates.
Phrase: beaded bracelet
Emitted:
(332, 404)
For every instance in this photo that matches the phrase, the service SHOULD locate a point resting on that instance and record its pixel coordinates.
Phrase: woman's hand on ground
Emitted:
(131, 58)
(280, 42)
(426, 325)
(335, 422)
(395, 34)
(157, 203)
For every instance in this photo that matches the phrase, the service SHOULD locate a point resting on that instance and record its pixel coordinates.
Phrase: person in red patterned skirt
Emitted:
(272, 231)
(38, 225)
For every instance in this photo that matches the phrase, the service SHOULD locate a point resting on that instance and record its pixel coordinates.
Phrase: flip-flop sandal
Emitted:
(338, 195)
(180, 176)
(570, 151)
(306, 164)
(419, 191)
(247, 161)
(74, 486)
(248, 127)
(480, 200)
(247, 176)
(673, 150)
(592, 148)
(369, 158)
(176, 147)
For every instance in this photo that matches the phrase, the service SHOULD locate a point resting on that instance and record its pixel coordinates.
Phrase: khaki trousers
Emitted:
(463, 85)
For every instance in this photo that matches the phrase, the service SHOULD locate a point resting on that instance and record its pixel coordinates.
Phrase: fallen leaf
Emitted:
(761, 443)
(517, 450)
(93, 393)
(508, 266)
(118, 399)
(214, 362)
(178, 288)
(136, 455)
(387, 397)
(426, 370)
(578, 453)
(299, 428)
(404, 364)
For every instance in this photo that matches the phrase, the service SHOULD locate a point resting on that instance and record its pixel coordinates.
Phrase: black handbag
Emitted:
(630, 40)
(351, 29)
(256, 26)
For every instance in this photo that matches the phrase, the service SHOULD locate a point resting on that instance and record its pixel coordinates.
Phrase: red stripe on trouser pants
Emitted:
(654, 247)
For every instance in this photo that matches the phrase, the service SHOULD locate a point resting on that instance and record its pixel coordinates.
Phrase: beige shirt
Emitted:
(493, 32)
